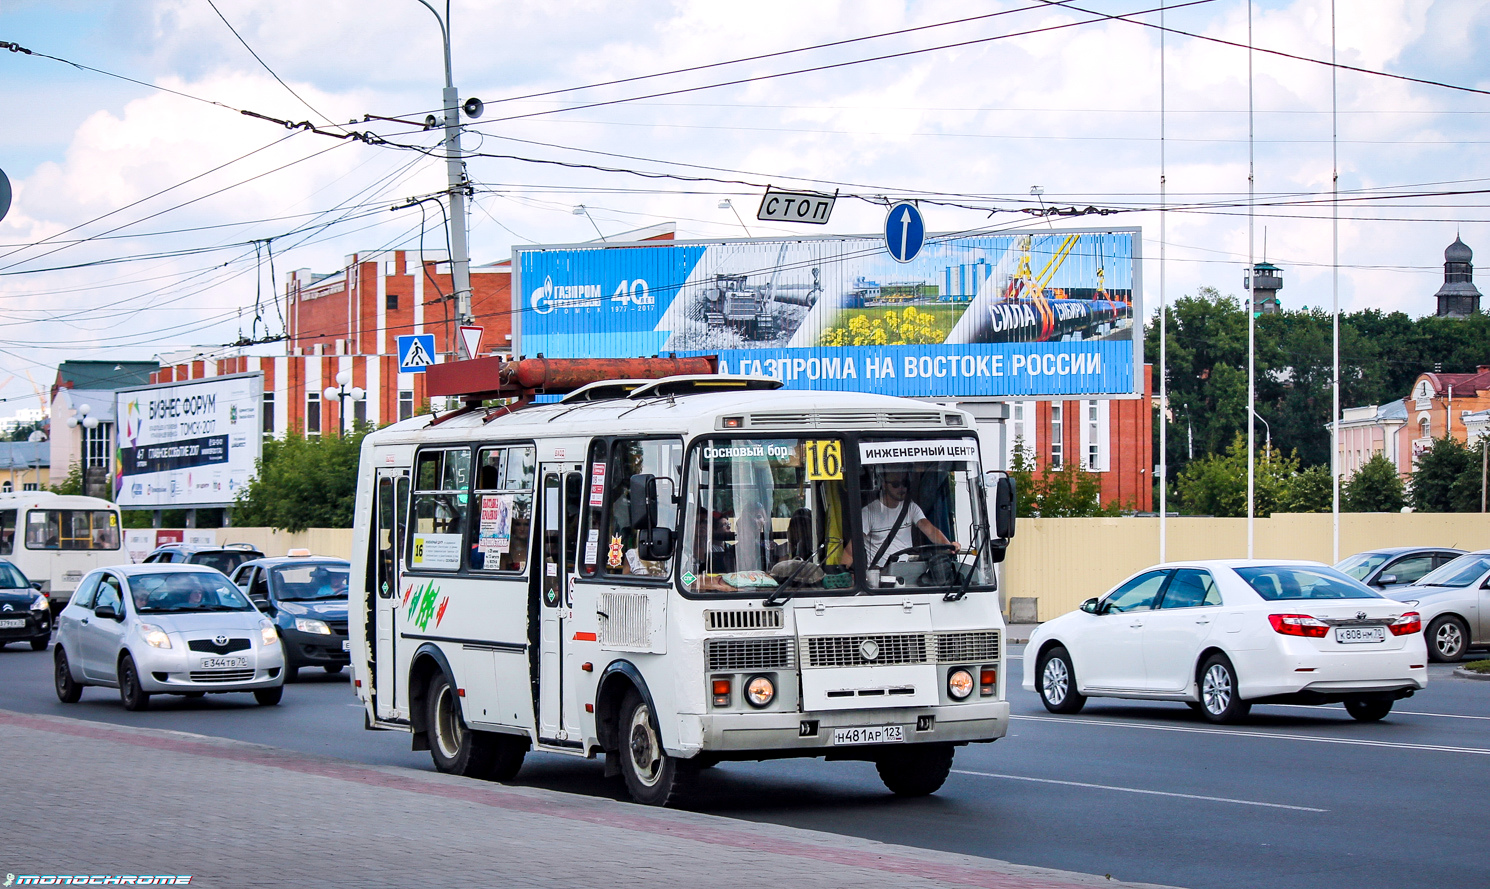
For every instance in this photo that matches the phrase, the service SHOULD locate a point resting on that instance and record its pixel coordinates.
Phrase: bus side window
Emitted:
(502, 510)
(441, 498)
(617, 552)
(7, 532)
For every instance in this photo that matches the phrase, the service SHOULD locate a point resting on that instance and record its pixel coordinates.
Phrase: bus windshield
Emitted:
(780, 516)
(72, 529)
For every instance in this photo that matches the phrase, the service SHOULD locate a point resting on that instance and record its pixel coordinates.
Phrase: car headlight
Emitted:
(155, 636)
(760, 691)
(40, 603)
(960, 684)
(311, 625)
(267, 635)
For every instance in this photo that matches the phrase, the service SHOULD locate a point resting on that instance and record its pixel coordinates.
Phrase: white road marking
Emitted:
(1212, 799)
(1340, 708)
(1278, 736)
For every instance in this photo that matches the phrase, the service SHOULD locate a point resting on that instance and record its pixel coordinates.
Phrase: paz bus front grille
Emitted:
(749, 654)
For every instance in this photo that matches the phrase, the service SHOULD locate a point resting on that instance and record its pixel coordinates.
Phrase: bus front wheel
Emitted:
(917, 770)
(653, 778)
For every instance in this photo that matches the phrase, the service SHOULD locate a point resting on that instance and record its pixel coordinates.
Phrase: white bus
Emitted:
(672, 573)
(56, 539)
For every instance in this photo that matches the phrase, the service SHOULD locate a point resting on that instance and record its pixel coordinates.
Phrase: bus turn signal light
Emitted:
(988, 680)
(721, 692)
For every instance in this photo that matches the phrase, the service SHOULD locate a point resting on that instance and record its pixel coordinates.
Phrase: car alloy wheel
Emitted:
(1447, 640)
(1216, 691)
(1055, 681)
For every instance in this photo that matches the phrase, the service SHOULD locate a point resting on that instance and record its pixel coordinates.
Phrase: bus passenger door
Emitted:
(562, 490)
(389, 537)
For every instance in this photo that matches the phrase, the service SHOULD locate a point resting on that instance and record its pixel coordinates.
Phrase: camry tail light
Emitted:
(1407, 624)
(1299, 625)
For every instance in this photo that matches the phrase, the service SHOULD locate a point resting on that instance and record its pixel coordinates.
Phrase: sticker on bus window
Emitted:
(824, 460)
(436, 551)
(597, 485)
(592, 546)
(495, 533)
(614, 552)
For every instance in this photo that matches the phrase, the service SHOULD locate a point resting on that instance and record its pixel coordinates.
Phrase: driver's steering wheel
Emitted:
(929, 549)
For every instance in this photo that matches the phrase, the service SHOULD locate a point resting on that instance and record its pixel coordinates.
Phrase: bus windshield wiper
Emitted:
(780, 594)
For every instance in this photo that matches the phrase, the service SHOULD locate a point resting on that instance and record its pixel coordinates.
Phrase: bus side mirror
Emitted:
(643, 501)
(1005, 502)
(655, 544)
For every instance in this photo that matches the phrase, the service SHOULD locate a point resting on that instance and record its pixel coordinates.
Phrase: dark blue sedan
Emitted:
(306, 598)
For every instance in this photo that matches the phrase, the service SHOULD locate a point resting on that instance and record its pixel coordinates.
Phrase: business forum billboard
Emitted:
(1007, 315)
(188, 444)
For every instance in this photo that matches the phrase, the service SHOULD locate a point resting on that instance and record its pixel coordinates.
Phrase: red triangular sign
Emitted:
(471, 336)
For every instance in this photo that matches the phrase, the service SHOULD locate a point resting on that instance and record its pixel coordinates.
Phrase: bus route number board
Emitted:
(874, 734)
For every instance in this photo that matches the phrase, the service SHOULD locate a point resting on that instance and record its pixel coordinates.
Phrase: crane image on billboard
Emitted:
(1045, 312)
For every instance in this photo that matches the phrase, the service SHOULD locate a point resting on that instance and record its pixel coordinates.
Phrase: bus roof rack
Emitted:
(478, 379)
(605, 390)
(694, 384)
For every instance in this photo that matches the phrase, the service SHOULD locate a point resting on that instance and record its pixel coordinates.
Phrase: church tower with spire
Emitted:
(1458, 297)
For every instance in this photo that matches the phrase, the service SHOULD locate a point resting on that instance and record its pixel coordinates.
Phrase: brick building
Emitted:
(1439, 404)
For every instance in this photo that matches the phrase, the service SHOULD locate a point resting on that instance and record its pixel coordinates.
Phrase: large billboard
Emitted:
(188, 444)
(1013, 314)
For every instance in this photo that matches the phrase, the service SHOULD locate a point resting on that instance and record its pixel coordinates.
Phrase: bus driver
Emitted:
(894, 510)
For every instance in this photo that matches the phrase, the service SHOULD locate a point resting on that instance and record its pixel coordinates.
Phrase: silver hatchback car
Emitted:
(165, 629)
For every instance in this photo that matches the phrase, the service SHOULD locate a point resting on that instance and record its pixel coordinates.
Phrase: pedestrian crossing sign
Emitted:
(415, 353)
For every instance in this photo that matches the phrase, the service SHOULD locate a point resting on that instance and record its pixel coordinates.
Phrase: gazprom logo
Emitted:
(565, 296)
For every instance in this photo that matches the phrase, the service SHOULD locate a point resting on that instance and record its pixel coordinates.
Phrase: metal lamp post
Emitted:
(460, 259)
(36, 437)
(83, 419)
(341, 393)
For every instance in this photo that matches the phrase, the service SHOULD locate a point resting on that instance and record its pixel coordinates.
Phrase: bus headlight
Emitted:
(760, 691)
(960, 684)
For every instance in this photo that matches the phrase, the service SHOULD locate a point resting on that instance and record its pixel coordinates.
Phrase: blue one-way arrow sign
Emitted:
(905, 231)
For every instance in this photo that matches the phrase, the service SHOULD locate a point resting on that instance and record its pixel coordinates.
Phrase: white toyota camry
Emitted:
(1222, 635)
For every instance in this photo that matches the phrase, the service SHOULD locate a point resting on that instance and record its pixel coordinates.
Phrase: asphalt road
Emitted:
(1297, 797)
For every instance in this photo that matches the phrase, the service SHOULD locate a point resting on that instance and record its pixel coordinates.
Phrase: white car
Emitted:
(165, 629)
(1222, 635)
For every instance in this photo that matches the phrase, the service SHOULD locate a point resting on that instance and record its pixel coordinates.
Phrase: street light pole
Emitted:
(460, 260)
(339, 393)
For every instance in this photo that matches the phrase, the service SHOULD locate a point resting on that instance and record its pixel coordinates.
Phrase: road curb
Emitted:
(1470, 674)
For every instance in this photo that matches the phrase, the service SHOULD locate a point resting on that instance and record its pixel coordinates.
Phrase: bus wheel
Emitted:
(454, 747)
(653, 778)
(917, 770)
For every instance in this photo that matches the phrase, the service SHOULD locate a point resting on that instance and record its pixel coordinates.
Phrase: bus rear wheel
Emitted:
(455, 748)
(918, 770)
(653, 778)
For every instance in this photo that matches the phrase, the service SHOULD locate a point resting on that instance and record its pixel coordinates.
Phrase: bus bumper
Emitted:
(812, 734)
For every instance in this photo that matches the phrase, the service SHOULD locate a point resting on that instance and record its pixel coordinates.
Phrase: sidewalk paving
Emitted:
(104, 799)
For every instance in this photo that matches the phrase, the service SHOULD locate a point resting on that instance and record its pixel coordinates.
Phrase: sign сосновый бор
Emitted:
(188, 444)
(1022, 314)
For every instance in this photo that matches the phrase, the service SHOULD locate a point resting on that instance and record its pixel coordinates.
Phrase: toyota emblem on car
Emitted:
(220, 639)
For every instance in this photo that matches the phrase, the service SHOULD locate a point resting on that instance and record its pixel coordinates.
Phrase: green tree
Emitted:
(1217, 484)
(303, 483)
(1068, 492)
(1438, 470)
(1375, 487)
(23, 433)
(1465, 494)
(72, 483)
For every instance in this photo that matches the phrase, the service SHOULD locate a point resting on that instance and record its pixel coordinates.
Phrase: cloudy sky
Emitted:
(138, 201)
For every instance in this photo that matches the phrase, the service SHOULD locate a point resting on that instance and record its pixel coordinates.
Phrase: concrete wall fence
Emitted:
(1062, 562)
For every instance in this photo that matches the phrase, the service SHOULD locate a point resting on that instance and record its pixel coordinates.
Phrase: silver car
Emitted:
(1455, 604)
(1393, 567)
(165, 629)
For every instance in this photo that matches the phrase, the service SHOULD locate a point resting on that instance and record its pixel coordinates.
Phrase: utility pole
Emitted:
(460, 260)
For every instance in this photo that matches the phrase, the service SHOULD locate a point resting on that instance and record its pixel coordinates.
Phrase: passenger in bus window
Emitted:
(754, 549)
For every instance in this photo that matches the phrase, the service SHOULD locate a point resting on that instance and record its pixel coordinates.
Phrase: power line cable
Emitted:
(266, 67)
